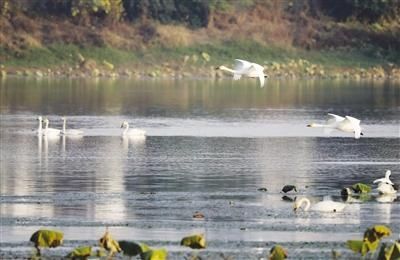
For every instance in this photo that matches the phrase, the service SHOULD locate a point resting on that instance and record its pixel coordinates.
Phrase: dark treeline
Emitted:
(193, 13)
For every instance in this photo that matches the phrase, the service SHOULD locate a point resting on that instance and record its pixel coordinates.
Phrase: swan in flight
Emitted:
(322, 206)
(50, 131)
(246, 69)
(69, 131)
(386, 179)
(346, 124)
(131, 132)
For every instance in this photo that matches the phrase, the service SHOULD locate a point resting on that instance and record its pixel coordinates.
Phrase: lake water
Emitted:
(210, 145)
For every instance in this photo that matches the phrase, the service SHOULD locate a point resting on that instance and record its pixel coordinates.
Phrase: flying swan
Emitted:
(322, 206)
(246, 69)
(131, 132)
(346, 124)
(64, 131)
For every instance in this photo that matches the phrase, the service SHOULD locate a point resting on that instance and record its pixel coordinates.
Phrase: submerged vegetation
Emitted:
(357, 39)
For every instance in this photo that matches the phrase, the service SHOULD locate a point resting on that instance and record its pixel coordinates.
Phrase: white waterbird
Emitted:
(386, 179)
(49, 131)
(386, 188)
(69, 132)
(346, 124)
(40, 127)
(131, 132)
(322, 206)
(246, 69)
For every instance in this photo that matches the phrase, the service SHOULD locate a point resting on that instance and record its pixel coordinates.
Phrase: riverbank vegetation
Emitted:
(311, 38)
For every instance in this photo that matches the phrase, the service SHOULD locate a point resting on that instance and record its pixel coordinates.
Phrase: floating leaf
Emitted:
(108, 243)
(130, 248)
(277, 253)
(355, 245)
(144, 247)
(156, 254)
(361, 188)
(195, 241)
(263, 189)
(288, 188)
(47, 238)
(198, 215)
(389, 252)
(81, 252)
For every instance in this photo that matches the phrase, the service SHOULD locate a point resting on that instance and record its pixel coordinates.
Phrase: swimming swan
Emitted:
(386, 188)
(69, 131)
(323, 206)
(345, 124)
(246, 69)
(131, 132)
(386, 179)
(50, 131)
(40, 128)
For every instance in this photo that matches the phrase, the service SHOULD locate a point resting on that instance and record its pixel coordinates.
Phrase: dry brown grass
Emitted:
(175, 36)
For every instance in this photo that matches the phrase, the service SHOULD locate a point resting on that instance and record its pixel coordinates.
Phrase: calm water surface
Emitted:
(210, 145)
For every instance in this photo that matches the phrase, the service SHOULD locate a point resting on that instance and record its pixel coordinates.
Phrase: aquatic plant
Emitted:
(371, 240)
(46, 238)
(277, 253)
(197, 241)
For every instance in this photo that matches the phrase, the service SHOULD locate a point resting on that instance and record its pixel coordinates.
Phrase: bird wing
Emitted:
(353, 120)
(241, 65)
(383, 180)
(236, 76)
(334, 119)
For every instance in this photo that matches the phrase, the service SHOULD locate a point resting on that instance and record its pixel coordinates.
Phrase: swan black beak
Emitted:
(266, 76)
(361, 133)
(308, 125)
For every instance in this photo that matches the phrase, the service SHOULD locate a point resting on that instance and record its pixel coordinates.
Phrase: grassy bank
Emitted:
(198, 59)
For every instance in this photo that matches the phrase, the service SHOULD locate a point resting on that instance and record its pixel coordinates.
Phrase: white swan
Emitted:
(246, 69)
(131, 132)
(49, 131)
(386, 188)
(40, 128)
(386, 179)
(69, 131)
(323, 206)
(346, 124)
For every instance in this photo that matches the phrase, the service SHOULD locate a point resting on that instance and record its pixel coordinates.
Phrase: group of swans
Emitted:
(385, 187)
(47, 131)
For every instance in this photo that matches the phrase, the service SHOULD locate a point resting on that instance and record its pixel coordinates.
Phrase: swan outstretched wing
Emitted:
(241, 65)
(353, 121)
(334, 119)
(386, 179)
(236, 76)
(262, 80)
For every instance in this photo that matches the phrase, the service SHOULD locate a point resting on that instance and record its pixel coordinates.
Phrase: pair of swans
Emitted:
(47, 131)
(346, 124)
(248, 69)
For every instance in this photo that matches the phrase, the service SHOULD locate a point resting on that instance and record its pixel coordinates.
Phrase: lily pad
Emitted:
(288, 188)
(277, 253)
(156, 254)
(195, 241)
(361, 188)
(108, 243)
(47, 238)
(130, 248)
(81, 252)
(382, 231)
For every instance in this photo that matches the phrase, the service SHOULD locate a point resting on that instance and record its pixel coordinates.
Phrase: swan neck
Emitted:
(319, 125)
(125, 130)
(307, 202)
(64, 125)
(227, 69)
(40, 126)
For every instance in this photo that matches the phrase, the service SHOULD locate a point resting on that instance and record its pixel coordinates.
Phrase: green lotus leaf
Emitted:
(389, 252)
(155, 254)
(195, 241)
(144, 247)
(130, 248)
(81, 252)
(47, 238)
(355, 245)
(361, 188)
(277, 253)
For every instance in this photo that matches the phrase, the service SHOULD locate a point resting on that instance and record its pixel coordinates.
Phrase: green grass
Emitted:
(221, 53)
